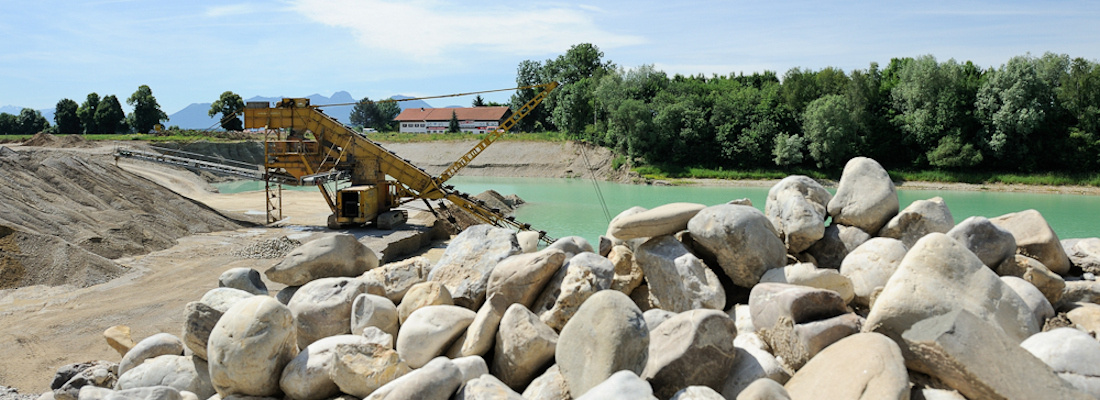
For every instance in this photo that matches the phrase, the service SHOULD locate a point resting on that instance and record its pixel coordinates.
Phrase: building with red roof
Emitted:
(437, 120)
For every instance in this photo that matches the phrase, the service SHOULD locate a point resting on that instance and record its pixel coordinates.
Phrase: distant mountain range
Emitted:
(194, 116)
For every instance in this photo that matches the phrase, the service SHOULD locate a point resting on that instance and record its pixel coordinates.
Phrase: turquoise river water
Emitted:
(564, 207)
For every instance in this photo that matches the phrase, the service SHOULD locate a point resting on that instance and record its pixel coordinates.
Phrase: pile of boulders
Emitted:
(682, 301)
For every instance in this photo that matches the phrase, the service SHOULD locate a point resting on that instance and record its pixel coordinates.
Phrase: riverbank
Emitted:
(910, 185)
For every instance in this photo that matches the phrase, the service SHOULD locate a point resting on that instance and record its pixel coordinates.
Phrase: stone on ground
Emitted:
(430, 331)
(621, 385)
(693, 348)
(548, 386)
(677, 279)
(359, 369)
(571, 246)
(1035, 238)
(71, 379)
(659, 221)
(1086, 316)
(797, 207)
(1072, 354)
(246, 279)
(436, 380)
(524, 347)
(307, 376)
(861, 366)
(471, 367)
(606, 335)
(697, 393)
(482, 332)
(338, 255)
(465, 267)
(520, 278)
(322, 308)
(806, 274)
(424, 294)
(184, 373)
(972, 355)
(528, 241)
(919, 219)
(486, 387)
(752, 364)
(1084, 253)
(1032, 297)
(377, 336)
(397, 277)
(656, 317)
(152, 346)
(797, 322)
(991, 243)
(118, 337)
(871, 265)
(764, 389)
(741, 238)
(369, 310)
(250, 346)
(580, 277)
(865, 197)
(628, 275)
(1051, 284)
(833, 248)
(938, 276)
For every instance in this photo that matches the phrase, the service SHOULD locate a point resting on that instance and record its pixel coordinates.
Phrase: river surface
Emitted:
(565, 207)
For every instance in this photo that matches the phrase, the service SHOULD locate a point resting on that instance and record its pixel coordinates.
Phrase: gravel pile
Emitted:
(271, 248)
(10, 393)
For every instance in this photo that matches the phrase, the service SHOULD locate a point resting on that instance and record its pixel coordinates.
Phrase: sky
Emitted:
(192, 51)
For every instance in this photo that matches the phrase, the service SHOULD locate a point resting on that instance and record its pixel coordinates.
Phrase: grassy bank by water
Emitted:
(977, 178)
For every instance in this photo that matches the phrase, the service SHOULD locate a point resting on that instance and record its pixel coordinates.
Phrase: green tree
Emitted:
(229, 105)
(453, 126)
(387, 111)
(478, 101)
(65, 116)
(529, 73)
(146, 112)
(8, 124)
(109, 116)
(788, 149)
(366, 114)
(31, 121)
(1013, 105)
(831, 132)
(579, 70)
(86, 113)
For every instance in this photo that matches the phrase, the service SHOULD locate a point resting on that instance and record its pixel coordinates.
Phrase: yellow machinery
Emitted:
(337, 151)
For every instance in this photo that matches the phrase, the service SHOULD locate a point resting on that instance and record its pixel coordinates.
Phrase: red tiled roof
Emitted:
(444, 114)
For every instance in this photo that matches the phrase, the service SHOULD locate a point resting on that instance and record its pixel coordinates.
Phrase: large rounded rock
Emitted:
(865, 197)
(833, 248)
(571, 246)
(306, 377)
(871, 265)
(486, 387)
(919, 219)
(223, 298)
(483, 330)
(72, 379)
(991, 243)
(1032, 297)
(862, 366)
(620, 385)
(628, 275)
(660, 221)
(1072, 354)
(246, 279)
(524, 346)
(937, 276)
(396, 278)
(1051, 284)
(677, 279)
(471, 367)
(1035, 238)
(422, 295)
(469, 260)
(606, 335)
(1083, 253)
(339, 255)
(359, 369)
(520, 278)
(436, 380)
(322, 308)
(752, 364)
(692, 348)
(370, 310)
(579, 278)
(188, 373)
(741, 238)
(806, 274)
(796, 206)
(763, 389)
(548, 386)
(153, 346)
(429, 331)
(250, 346)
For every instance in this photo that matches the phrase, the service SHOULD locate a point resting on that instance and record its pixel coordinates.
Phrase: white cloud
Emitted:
(231, 10)
(429, 29)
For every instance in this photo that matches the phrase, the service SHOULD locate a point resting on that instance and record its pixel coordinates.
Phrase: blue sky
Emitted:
(192, 51)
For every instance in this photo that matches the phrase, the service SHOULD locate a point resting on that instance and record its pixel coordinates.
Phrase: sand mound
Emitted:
(69, 214)
(43, 139)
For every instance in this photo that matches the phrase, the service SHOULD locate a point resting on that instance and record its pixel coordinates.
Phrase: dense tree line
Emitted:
(1030, 114)
(94, 116)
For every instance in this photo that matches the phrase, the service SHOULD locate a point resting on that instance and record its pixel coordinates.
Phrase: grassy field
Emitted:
(171, 136)
(1038, 179)
(395, 137)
